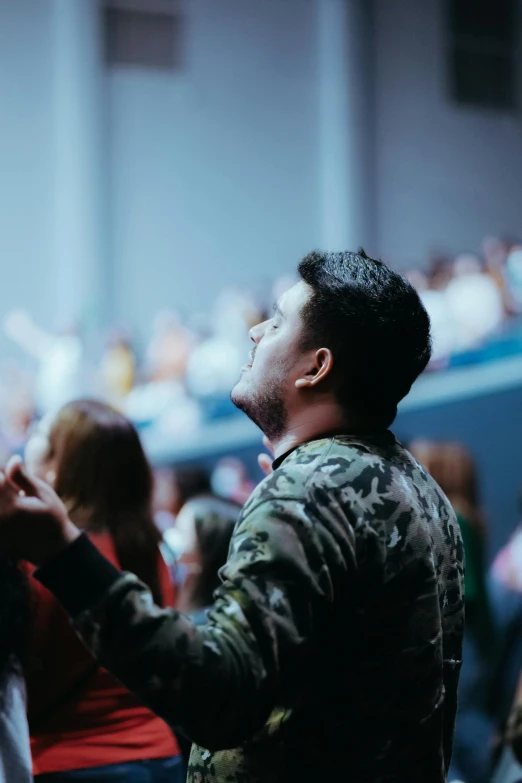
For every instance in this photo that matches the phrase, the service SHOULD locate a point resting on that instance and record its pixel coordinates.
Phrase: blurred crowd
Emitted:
(173, 529)
(172, 525)
(472, 300)
(182, 377)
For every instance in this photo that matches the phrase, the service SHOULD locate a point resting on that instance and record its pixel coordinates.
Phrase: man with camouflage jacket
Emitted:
(333, 649)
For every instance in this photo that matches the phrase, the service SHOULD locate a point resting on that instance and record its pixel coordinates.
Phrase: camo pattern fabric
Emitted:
(333, 648)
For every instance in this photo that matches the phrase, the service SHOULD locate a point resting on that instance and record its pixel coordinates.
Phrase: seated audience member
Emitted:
(190, 481)
(15, 755)
(173, 487)
(84, 725)
(205, 527)
(453, 469)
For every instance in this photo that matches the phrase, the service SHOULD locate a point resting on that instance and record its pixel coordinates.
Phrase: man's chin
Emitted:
(241, 396)
(267, 412)
(238, 395)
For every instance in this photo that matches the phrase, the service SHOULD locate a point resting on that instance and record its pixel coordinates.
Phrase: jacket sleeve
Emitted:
(219, 682)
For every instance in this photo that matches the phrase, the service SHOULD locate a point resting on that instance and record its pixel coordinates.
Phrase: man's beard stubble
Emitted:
(266, 409)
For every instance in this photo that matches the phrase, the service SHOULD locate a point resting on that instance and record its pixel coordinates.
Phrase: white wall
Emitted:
(215, 168)
(50, 185)
(446, 176)
(25, 161)
(214, 171)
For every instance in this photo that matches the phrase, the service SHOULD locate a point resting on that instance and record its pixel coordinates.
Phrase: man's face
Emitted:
(266, 389)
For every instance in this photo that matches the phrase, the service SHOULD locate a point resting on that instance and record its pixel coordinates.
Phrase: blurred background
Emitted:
(164, 166)
(166, 163)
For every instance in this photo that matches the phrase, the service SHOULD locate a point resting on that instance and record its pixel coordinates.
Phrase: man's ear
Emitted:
(321, 367)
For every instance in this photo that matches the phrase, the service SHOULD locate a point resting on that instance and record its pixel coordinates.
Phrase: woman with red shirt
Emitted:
(84, 725)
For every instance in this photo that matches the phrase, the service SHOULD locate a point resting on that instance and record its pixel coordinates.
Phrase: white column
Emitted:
(81, 268)
(346, 123)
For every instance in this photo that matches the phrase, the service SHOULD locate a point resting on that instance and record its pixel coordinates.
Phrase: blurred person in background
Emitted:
(205, 526)
(17, 407)
(85, 725)
(216, 360)
(475, 302)
(440, 271)
(230, 480)
(495, 252)
(190, 481)
(513, 276)
(60, 356)
(454, 470)
(169, 348)
(15, 623)
(333, 647)
(118, 369)
(204, 529)
(442, 324)
(175, 486)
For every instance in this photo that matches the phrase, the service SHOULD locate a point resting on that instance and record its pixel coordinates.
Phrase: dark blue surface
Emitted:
(491, 427)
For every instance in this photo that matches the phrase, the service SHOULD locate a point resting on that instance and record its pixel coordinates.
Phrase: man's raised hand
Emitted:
(265, 460)
(34, 524)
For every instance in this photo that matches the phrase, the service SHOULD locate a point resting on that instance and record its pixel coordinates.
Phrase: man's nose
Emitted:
(257, 332)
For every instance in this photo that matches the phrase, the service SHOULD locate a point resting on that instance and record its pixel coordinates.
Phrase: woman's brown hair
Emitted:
(453, 468)
(105, 481)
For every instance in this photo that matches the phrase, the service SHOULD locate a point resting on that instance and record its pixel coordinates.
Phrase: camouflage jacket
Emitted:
(333, 648)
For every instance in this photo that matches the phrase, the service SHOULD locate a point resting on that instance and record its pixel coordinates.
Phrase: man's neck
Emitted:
(310, 424)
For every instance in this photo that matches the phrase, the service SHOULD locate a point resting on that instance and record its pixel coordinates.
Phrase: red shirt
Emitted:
(102, 723)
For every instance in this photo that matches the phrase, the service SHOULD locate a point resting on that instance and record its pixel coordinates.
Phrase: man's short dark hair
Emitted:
(375, 324)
